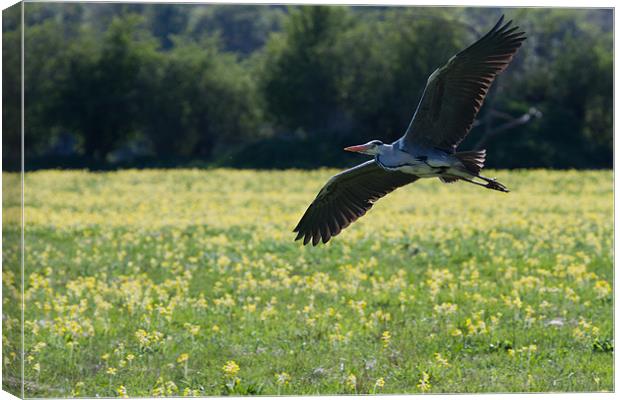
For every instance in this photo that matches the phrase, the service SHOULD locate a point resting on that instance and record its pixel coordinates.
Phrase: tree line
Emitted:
(273, 86)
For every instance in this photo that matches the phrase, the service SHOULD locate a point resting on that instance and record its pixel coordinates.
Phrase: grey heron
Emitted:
(451, 100)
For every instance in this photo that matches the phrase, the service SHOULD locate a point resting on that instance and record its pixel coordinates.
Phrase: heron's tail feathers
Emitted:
(472, 160)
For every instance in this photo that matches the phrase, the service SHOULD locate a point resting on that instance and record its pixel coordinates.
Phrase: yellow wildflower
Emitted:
(282, 378)
(441, 361)
(445, 308)
(191, 392)
(424, 382)
(77, 390)
(37, 347)
(192, 329)
(385, 338)
(231, 369)
(122, 391)
(351, 382)
(602, 289)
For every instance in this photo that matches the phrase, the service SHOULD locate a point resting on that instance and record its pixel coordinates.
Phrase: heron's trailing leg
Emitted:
(491, 183)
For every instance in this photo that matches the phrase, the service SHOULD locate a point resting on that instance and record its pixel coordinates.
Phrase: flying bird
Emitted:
(451, 100)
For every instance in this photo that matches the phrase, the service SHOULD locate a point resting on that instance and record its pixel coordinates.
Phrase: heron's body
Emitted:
(451, 100)
(423, 163)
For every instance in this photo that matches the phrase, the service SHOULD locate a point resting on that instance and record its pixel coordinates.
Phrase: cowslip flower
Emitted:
(122, 392)
(231, 369)
(283, 378)
(380, 383)
(602, 289)
(385, 338)
(351, 382)
(424, 382)
(441, 361)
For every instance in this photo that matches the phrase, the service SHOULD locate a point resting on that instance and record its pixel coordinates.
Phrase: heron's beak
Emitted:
(356, 149)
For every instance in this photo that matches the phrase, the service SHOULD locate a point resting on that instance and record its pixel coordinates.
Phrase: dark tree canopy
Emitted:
(271, 86)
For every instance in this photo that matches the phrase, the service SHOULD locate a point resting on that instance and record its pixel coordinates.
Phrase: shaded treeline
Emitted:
(271, 86)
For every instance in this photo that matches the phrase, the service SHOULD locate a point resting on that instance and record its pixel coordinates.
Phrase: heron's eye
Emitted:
(377, 143)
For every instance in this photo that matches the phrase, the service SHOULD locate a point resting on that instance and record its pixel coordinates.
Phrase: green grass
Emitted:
(478, 291)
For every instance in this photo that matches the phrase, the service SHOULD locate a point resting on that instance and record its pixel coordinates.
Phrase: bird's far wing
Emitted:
(454, 93)
(346, 197)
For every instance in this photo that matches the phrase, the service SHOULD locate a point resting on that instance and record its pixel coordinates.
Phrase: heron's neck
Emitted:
(385, 150)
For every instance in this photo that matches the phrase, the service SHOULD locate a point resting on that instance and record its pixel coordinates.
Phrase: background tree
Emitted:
(302, 70)
(46, 70)
(388, 62)
(242, 29)
(564, 73)
(12, 91)
(99, 93)
(196, 99)
(236, 85)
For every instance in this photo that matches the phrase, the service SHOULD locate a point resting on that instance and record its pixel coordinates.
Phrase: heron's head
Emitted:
(371, 148)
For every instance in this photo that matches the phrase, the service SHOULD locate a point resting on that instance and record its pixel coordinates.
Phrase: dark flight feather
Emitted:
(345, 198)
(454, 93)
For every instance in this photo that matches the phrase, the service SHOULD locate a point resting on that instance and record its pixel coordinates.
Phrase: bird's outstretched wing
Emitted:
(346, 197)
(454, 93)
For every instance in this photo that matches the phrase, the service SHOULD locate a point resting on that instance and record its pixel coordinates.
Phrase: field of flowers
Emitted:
(188, 282)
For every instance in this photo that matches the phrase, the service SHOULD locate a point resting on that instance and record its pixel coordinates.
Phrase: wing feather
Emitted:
(455, 92)
(345, 198)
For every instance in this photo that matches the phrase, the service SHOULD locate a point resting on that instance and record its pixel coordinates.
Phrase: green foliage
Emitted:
(99, 94)
(300, 80)
(332, 73)
(163, 281)
(166, 20)
(197, 98)
(564, 70)
(207, 81)
(47, 69)
(12, 91)
(390, 61)
(605, 345)
(242, 29)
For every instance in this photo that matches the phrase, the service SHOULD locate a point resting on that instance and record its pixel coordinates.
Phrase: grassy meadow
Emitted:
(188, 282)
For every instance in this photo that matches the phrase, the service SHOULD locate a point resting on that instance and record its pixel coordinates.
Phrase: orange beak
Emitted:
(356, 149)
